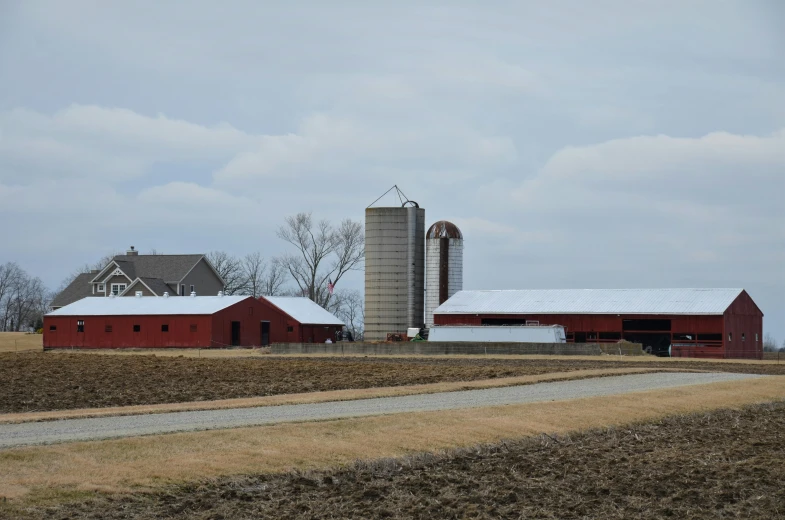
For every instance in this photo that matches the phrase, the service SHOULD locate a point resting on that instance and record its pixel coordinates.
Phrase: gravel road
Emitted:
(70, 430)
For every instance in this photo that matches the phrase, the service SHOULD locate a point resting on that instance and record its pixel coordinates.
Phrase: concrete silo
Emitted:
(394, 270)
(443, 265)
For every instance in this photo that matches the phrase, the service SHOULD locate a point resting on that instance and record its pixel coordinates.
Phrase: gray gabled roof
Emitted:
(169, 268)
(76, 290)
(154, 284)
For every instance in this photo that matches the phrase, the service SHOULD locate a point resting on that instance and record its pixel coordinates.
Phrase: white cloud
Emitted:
(108, 143)
(690, 177)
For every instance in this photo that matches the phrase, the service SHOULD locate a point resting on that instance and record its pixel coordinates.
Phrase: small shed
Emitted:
(300, 320)
(498, 334)
(152, 321)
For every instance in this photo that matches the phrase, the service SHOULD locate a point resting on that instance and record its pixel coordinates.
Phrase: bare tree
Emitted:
(274, 279)
(769, 343)
(10, 276)
(254, 267)
(23, 299)
(323, 253)
(230, 269)
(263, 278)
(86, 268)
(348, 305)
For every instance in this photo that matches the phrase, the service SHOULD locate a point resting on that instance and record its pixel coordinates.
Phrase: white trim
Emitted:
(104, 269)
(117, 272)
(138, 280)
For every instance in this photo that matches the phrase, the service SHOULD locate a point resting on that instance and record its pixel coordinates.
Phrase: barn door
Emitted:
(265, 333)
(235, 333)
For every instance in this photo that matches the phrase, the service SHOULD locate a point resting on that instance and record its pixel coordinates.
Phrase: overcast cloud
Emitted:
(577, 144)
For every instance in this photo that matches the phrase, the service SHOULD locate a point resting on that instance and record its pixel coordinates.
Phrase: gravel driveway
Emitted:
(69, 430)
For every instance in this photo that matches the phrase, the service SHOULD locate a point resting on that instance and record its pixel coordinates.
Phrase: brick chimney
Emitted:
(132, 252)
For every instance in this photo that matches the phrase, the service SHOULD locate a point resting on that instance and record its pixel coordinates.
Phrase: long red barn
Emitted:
(707, 323)
(187, 322)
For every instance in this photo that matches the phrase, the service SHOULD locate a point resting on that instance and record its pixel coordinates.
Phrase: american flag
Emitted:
(330, 285)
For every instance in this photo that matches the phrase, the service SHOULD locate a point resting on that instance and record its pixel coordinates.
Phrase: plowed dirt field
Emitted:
(698, 466)
(47, 381)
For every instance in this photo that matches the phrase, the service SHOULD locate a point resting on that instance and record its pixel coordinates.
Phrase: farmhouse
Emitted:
(151, 275)
(709, 323)
(188, 322)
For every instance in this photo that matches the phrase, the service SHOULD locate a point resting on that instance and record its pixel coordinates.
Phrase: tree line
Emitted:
(24, 299)
(770, 344)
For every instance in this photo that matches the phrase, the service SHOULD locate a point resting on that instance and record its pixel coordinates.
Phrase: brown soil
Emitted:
(707, 465)
(40, 381)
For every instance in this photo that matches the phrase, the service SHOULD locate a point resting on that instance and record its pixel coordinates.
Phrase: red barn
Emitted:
(299, 320)
(710, 323)
(188, 322)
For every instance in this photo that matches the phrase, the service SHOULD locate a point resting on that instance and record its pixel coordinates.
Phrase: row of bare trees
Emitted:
(23, 299)
(251, 274)
(323, 254)
(770, 344)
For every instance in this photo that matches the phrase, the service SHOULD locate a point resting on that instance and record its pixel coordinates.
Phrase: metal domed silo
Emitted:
(443, 265)
(394, 269)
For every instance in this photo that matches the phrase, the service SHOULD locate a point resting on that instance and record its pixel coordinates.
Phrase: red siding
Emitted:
(744, 329)
(122, 334)
(280, 322)
(211, 330)
(743, 319)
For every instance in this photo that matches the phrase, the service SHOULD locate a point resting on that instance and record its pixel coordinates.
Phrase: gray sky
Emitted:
(577, 144)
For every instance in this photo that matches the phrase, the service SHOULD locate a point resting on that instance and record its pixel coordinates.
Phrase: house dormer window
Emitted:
(117, 288)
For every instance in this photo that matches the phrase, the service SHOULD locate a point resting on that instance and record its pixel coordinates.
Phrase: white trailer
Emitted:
(498, 334)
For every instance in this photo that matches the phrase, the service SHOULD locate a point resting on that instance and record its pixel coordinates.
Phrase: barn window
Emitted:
(756, 336)
(80, 326)
(108, 328)
(165, 327)
(52, 327)
(193, 327)
(137, 328)
(289, 329)
(610, 335)
(730, 336)
(709, 337)
(684, 336)
(742, 336)
(591, 336)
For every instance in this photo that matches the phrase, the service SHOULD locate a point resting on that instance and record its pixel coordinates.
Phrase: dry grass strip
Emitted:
(317, 397)
(20, 342)
(68, 471)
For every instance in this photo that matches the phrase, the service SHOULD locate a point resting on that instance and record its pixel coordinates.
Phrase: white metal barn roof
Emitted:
(304, 310)
(148, 305)
(591, 301)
